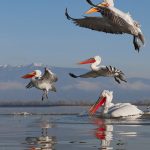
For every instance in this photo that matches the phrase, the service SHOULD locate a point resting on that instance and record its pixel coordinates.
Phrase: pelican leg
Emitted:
(44, 94)
(136, 43)
(42, 97)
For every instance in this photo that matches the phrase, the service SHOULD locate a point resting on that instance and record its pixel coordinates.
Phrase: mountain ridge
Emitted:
(12, 86)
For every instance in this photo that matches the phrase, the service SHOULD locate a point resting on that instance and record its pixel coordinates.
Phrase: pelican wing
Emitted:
(117, 18)
(106, 71)
(97, 23)
(124, 110)
(49, 76)
(90, 74)
(30, 85)
(94, 74)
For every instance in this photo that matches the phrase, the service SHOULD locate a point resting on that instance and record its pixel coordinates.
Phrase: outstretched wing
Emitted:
(106, 71)
(49, 76)
(96, 23)
(90, 74)
(93, 74)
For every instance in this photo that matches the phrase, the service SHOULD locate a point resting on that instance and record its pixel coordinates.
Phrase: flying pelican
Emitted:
(99, 70)
(114, 110)
(43, 82)
(112, 21)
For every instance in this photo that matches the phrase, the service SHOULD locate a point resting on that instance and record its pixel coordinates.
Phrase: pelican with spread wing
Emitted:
(43, 82)
(112, 21)
(99, 70)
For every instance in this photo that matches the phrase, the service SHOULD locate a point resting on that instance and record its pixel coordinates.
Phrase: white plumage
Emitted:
(43, 82)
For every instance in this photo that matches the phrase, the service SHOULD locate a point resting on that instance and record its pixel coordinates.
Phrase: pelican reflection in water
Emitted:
(104, 133)
(44, 141)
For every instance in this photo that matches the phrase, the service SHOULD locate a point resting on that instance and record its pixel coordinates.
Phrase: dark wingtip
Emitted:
(67, 15)
(73, 75)
(117, 80)
(90, 2)
(125, 81)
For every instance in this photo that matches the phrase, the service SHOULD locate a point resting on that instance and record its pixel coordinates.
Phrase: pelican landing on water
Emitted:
(114, 110)
(99, 70)
(112, 21)
(43, 82)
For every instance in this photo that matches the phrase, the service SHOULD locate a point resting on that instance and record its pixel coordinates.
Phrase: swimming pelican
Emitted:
(112, 21)
(114, 110)
(43, 82)
(99, 70)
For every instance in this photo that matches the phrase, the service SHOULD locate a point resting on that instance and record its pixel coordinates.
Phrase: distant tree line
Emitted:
(45, 103)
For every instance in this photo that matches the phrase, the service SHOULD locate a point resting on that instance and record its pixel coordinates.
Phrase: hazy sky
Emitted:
(38, 31)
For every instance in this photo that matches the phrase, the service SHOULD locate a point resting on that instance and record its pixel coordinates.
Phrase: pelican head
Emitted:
(91, 60)
(97, 9)
(34, 74)
(104, 99)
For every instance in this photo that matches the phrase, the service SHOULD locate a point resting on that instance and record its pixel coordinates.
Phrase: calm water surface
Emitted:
(52, 128)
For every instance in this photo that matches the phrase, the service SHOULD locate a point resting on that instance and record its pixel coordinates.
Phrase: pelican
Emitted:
(99, 70)
(43, 82)
(114, 110)
(112, 21)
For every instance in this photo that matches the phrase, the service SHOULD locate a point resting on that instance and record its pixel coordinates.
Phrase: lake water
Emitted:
(61, 128)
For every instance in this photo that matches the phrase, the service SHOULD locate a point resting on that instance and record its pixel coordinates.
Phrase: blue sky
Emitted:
(38, 31)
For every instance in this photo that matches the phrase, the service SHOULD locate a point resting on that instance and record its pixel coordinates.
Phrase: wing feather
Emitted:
(96, 23)
(49, 76)
(30, 85)
(104, 71)
(89, 74)
(95, 74)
